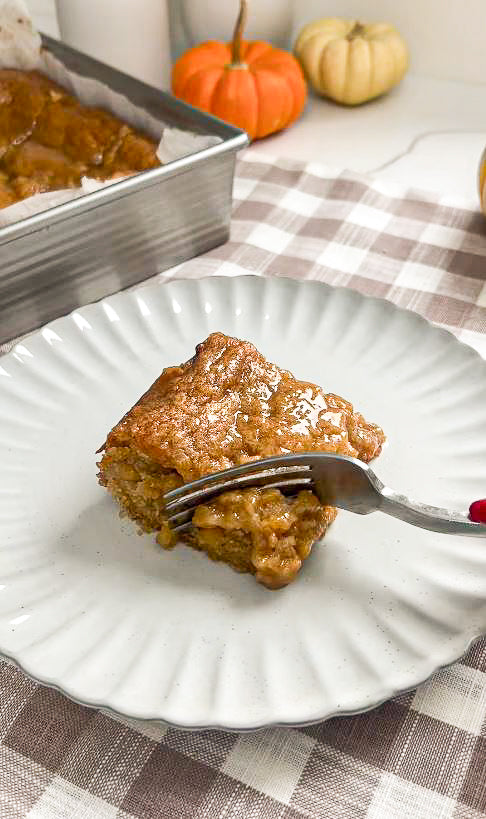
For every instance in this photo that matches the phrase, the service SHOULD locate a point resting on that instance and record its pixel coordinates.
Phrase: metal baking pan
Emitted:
(72, 254)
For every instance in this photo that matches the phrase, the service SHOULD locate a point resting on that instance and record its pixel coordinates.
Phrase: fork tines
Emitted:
(292, 477)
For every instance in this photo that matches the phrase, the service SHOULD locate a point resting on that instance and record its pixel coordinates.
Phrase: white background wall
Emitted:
(447, 38)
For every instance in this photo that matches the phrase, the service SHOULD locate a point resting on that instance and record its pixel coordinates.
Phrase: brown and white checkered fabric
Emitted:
(421, 755)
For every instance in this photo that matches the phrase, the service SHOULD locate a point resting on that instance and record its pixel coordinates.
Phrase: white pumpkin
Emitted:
(351, 62)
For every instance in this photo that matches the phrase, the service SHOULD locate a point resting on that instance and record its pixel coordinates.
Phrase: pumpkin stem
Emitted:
(356, 31)
(238, 33)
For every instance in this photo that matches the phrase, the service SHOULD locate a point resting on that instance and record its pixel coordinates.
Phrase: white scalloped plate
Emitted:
(108, 617)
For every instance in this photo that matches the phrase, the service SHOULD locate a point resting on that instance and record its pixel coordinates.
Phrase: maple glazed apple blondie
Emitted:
(226, 406)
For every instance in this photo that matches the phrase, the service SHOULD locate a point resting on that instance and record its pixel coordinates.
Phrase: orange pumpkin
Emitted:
(252, 85)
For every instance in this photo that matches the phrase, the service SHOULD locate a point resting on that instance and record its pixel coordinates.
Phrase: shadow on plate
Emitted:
(106, 549)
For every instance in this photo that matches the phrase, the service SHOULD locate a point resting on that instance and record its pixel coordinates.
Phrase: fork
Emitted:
(337, 480)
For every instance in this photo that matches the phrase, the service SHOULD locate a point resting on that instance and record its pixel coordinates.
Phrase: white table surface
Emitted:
(427, 133)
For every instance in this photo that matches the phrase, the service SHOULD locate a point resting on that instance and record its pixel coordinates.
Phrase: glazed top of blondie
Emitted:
(228, 405)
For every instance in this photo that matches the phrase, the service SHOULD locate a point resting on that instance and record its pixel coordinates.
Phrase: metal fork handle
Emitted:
(378, 497)
(356, 487)
(429, 517)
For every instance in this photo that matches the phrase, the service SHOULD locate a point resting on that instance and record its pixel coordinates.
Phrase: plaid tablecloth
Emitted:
(421, 755)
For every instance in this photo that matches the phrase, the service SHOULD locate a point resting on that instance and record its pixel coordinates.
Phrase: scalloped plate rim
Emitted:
(192, 726)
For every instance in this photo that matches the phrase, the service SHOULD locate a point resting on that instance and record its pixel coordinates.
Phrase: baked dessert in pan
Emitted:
(49, 140)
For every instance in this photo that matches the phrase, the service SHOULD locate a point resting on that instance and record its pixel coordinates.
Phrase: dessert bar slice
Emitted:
(226, 406)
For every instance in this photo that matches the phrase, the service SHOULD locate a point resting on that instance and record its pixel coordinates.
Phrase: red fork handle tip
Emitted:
(477, 511)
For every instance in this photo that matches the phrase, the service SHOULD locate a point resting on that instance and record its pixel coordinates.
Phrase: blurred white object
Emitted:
(215, 20)
(130, 35)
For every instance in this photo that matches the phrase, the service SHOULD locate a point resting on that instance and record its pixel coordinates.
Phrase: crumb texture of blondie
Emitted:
(226, 406)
